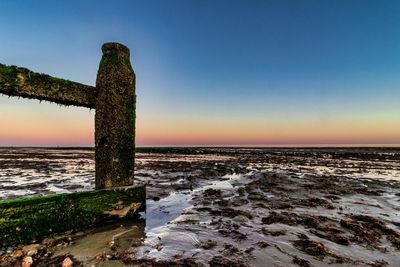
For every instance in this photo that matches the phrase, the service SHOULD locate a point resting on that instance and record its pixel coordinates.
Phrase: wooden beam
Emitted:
(16, 81)
(32, 219)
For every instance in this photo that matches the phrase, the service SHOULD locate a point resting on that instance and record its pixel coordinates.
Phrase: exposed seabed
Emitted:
(235, 207)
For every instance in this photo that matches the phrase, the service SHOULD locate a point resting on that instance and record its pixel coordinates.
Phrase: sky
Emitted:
(214, 72)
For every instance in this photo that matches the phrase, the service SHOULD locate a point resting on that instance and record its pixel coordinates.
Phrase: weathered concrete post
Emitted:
(115, 118)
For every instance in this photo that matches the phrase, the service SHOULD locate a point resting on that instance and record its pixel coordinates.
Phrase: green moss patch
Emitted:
(32, 219)
(16, 81)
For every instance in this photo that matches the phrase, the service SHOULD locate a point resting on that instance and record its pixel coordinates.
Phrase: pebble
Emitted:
(31, 250)
(67, 262)
(27, 262)
(17, 253)
(240, 218)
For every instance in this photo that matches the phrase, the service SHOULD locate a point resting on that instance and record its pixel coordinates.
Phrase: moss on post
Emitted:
(16, 81)
(115, 118)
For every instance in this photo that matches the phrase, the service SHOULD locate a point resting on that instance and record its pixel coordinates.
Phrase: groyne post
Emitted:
(113, 98)
(115, 118)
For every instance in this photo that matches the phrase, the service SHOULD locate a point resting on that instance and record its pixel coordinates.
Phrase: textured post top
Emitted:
(115, 48)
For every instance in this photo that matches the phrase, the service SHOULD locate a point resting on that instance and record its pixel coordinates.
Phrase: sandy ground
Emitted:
(228, 207)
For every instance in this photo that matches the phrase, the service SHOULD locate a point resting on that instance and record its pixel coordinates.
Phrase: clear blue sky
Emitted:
(215, 72)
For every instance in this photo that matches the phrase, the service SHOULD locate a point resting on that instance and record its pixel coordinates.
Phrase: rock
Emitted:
(48, 241)
(210, 192)
(31, 250)
(266, 231)
(219, 261)
(301, 262)
(17, 254)
(209, 244)
(311, 247)
(27, 262)
(249, 250)
(262, 244)
(124, 211)
(240, 218)
(67, 262)
(119, 207)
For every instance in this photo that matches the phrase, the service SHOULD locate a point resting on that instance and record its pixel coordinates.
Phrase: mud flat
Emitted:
(236, 207)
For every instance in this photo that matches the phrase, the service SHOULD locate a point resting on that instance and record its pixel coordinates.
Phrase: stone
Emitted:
(17, 254)
(27, 262)
(31, 250)
(48, 241)
(123, 212)
(241, 218)
(67, 262)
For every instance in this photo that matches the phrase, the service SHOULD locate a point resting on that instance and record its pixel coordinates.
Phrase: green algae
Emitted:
(32, 219)
(21, 82)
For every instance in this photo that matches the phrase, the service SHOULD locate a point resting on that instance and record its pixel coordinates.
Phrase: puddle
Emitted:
(161, 212)
(105, 241)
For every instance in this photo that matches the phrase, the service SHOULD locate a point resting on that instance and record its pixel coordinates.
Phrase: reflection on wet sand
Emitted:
(102, 244)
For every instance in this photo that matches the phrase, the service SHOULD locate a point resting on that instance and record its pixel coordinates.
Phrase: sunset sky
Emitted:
(214, 72)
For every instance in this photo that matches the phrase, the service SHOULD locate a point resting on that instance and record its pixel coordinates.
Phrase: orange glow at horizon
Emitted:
(174, 134)
(225, 132)
(34, 125)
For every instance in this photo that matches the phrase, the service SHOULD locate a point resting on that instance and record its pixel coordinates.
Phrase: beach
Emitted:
(225, 207)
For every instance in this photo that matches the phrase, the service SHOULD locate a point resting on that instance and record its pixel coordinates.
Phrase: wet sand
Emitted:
(228, 207)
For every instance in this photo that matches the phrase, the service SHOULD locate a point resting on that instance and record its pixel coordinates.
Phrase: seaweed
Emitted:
(22, 82)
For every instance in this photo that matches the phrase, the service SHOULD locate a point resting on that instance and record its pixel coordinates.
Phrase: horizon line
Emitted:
(235, 146)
